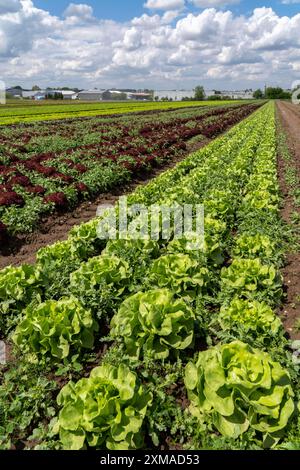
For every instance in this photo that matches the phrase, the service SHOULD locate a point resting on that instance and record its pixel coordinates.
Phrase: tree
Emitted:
(199, 93)
(258, 94)
(121, 96)
(54, 96)
(214, 98)
(277, 93)
(106, 96)
(35, 88)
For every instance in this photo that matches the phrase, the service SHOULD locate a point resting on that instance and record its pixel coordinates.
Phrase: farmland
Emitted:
(31, 111)
(151, 343)
(54, 166)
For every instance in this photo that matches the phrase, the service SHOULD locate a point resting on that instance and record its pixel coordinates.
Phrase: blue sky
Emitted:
(118, 43)
(125, 10)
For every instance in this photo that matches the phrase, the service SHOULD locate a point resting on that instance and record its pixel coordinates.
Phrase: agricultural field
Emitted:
(54, 166)
(29, 111)
(159, 342)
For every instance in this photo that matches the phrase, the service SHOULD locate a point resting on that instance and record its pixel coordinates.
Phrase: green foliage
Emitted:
(250, 279)
(105, 410)
(100, 283)
(236, 388)
(57, 262)
(199, 93)
(180, 273)
(277, 93)
(56, 329)
(26, 401)
(208, 249)
(246, 398)
(250, 321)
(137, 253)
(256, 246)
(260, 199)
(154, 324)
(18, 287)
(219, 204)
(258, 94)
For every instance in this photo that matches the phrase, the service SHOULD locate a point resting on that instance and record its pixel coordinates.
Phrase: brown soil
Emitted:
(289, 115)
(23, 249)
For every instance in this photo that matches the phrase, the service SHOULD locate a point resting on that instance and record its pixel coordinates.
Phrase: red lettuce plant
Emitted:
(59, 199)
(11, 198)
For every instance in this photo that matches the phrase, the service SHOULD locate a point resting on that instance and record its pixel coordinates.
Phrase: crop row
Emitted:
(42, 172)
(21, 114)
(198, 355)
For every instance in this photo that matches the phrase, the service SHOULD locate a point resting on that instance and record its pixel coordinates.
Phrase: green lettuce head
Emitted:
(18, 287)
(256, 246)
(106, 269)
(180, 273)
(100, 282)
(106, 410)
(154, 323)
(250, 318)
(236, 388)
(249, 278)
(55, 329)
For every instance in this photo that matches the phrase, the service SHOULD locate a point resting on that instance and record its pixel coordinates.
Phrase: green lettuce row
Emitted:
(233, 387)
(253, 276)
(182, 272)
(50, 258)
(96, 285)
(253, 391)
(83, 239)
(263, 238)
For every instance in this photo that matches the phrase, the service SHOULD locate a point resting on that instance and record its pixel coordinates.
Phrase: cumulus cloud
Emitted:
(214, 3)
(215, 47)
(164, 4)
(80, 10)
(9, 6)
(19, 29)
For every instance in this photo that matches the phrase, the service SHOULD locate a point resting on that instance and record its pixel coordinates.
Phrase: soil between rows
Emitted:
(289, 115)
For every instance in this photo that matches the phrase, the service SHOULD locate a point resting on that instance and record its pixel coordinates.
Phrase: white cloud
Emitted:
(80, 10)
(213, 47)
(164, 4)
(9, 6)
(214, 3)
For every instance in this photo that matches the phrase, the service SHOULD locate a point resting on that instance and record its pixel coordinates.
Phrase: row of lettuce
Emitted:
(211, 308)
(14, 114)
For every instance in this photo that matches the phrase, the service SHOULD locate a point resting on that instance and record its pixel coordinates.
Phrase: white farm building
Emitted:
(175, 95)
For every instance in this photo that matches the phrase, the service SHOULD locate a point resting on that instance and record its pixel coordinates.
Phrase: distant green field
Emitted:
(15, 111)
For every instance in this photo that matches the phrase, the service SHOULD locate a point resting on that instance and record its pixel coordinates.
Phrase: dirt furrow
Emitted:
(289, 117)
